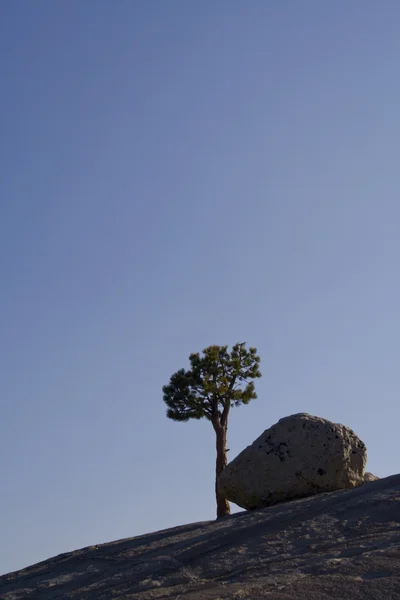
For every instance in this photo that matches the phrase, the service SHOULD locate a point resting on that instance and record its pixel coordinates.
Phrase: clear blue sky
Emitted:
(173, 175)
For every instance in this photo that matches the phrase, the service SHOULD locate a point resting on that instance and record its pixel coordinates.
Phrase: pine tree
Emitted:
(217, 381)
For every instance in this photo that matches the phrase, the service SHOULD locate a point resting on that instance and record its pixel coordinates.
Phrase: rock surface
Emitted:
(299, 456)
(340, 545)
(370, 477)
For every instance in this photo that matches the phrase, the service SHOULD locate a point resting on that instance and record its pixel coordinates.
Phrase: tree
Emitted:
(217, 381)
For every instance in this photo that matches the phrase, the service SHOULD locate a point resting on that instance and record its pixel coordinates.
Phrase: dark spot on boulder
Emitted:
(321, 471)
(312, 485)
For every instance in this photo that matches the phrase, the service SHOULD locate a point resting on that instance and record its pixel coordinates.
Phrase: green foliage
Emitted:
(216, 381)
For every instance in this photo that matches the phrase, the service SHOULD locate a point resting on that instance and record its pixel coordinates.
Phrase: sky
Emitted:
(174, 175)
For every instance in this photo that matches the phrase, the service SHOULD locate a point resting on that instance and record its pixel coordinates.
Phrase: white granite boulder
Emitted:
(368, 477)
(300, 456)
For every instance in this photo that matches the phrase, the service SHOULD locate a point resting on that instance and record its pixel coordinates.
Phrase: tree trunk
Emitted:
(223, 507)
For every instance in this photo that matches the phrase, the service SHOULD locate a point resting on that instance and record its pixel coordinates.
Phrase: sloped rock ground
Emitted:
(341, 545)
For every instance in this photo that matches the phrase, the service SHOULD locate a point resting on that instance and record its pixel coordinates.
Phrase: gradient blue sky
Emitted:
(176, 174)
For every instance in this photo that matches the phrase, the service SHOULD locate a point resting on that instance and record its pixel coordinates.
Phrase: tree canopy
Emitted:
(217, 380)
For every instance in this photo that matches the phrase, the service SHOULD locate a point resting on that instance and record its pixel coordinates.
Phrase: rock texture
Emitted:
(370, 477)
(340, 545)
(299, 456)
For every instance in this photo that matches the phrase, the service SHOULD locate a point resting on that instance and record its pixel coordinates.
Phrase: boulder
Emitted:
(370, 477)
(300, 456)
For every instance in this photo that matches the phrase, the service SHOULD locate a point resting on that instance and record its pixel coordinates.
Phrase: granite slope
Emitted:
(343, 544)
